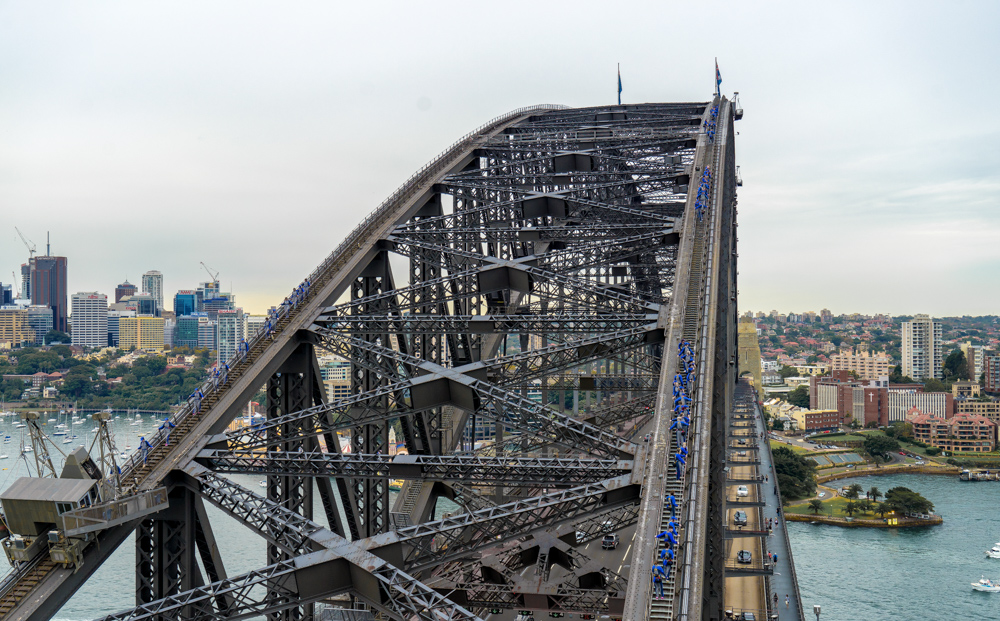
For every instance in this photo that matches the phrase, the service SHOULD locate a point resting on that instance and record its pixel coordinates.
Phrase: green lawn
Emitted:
(832, 507)
(798, 449)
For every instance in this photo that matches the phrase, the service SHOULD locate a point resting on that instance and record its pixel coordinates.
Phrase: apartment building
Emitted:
(963, 433)
(922, 349)
(865, 364)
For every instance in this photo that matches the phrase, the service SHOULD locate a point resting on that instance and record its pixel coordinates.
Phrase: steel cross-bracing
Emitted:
(511, 316)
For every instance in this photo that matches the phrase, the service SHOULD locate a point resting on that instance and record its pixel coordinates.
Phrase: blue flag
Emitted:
(718, 79)
(619, 85)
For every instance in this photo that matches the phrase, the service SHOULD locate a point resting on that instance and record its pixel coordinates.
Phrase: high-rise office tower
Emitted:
(25, 281)
(152, 283)
(231, 330)
(143, 303)
(48, 288)
(206, 332)
(124, 290)
(211, 300)
(185, 303)
(921, 351)
(140, 333)
(90, 319)
(114, 325)
(40, 321)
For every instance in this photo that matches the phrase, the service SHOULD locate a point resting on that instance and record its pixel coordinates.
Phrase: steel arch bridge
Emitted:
(530, 286)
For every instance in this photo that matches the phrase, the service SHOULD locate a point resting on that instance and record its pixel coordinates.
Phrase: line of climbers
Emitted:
(701, 203)
(710, 125)
(220, 378)
(679, 424)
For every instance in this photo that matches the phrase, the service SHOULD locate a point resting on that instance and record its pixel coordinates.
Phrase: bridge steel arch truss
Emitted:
(522, 287)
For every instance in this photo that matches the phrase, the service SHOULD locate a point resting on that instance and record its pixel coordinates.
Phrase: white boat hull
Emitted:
(986, 586)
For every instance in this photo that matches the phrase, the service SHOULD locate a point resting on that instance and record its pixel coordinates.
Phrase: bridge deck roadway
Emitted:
(745, 592)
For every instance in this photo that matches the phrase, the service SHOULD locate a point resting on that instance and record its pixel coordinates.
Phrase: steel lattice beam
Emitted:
(526, 471)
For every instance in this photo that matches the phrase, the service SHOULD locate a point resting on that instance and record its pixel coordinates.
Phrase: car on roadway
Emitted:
(744, 557)
(740, 518)
(902, 453)
(742, 441)
(742, 491)
(742, 454)
(580, 536)
(747, 616)
(610, 542)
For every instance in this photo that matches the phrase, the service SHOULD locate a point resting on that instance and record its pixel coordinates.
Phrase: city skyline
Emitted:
(255, 140)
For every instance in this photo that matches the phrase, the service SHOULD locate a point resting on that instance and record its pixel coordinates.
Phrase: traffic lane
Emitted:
(744, 592)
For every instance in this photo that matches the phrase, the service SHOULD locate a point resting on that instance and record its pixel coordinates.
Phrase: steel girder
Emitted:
(527, 471)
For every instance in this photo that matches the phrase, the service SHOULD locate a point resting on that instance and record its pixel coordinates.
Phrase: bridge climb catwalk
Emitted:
(524, 312)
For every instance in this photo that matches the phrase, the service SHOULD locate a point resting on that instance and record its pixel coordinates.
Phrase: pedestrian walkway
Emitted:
(783, 583)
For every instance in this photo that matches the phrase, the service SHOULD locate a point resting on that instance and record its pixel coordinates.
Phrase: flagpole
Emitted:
(718, 81)
(619, 84)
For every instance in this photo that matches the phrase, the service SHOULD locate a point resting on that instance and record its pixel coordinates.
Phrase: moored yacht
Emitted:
(994, 552)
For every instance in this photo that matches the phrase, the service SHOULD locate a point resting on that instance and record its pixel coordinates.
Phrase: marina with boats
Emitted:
(973, 476)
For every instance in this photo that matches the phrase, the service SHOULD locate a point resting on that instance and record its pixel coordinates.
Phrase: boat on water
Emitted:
(3, 457)
(28, 449)
(994, 552)
(986, 585)
(263, 483)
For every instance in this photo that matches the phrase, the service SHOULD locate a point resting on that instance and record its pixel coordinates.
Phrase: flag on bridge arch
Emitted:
(619, 84)
(718, 79)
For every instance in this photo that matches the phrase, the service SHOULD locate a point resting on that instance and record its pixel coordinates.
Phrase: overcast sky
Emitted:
(253, 136)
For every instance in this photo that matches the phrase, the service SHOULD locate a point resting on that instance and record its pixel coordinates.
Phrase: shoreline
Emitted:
(887, 470)
(934, 520)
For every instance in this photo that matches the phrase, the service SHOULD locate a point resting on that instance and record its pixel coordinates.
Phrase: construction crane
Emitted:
(214, 277)
(17, 292)
(30, 245)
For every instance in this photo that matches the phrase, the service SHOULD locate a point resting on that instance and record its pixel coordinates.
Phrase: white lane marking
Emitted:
(625, 556)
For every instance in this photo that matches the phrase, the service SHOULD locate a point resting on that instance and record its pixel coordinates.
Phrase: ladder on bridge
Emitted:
(664, 608)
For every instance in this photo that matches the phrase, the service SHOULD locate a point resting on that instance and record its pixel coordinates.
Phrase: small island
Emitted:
(900, 507)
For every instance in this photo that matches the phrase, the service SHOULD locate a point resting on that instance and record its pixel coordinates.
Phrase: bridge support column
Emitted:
(296, 386)
(371, 496)
(165, 548)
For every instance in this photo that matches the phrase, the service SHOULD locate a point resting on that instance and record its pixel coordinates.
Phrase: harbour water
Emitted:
(919, 573)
